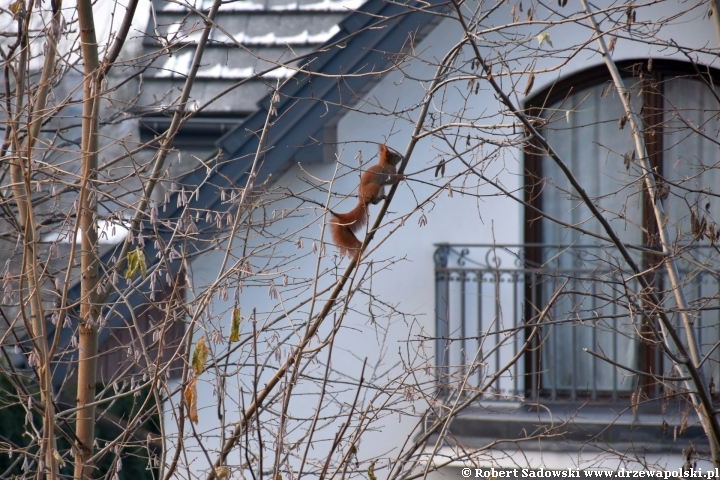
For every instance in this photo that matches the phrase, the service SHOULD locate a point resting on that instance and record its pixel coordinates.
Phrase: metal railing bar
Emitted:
(553, 371)
(535, 358)
(463, 320)
(615, 386)
(698, 321)
(498, 320)
(516, 367)
(574, 376)
(594, 342)
(480, 340)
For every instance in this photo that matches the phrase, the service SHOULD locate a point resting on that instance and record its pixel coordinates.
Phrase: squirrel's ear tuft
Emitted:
(382, 149)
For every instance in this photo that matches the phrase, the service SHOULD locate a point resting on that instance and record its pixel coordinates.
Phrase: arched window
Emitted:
(583, 119)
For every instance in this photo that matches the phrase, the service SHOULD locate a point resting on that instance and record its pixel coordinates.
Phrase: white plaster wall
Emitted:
(481, 216)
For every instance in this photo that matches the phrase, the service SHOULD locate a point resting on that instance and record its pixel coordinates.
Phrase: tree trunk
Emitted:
(87, 213)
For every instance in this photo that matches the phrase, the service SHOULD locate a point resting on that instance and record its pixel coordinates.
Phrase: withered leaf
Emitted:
(698, 224)
(141, 263)
(530, 82)
(235, 325)
(58, 459)
(191, 400)
(15, 6)
(626, 160)
(711, 386)
(544, 37)
(135, 263)
(712, 233)
(371, 471)
(440, 169)
(683, 422)
(662, 190)
(200, 356)
(623, 120)
(611, 43)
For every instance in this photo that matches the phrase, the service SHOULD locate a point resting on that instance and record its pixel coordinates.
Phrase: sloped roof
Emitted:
(262, 33)
(365, 41)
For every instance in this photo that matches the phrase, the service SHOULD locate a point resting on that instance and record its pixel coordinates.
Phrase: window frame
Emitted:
(652, 116)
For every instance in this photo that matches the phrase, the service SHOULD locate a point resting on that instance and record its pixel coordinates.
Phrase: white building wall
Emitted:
(403, 263)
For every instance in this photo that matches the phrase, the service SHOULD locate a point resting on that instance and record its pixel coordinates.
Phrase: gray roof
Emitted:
(366, 40)
(262, 33)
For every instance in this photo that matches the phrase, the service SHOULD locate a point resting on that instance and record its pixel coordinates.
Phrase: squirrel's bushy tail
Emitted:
(342, 227)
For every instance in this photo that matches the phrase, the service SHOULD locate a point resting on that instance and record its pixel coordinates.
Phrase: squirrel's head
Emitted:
(389, 156)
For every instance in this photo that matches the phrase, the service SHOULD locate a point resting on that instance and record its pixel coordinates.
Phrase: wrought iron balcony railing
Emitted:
(593, 342)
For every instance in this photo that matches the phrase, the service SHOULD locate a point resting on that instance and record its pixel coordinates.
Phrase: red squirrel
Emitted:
(371, 190)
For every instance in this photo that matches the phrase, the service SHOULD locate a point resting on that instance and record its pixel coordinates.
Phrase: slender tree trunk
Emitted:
(87, 213)
(35, 325)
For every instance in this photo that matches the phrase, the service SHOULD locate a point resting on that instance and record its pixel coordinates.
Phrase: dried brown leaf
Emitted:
(191, 400)
(15, 6)
(530, 83)
(683, 423)
(627, 159)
